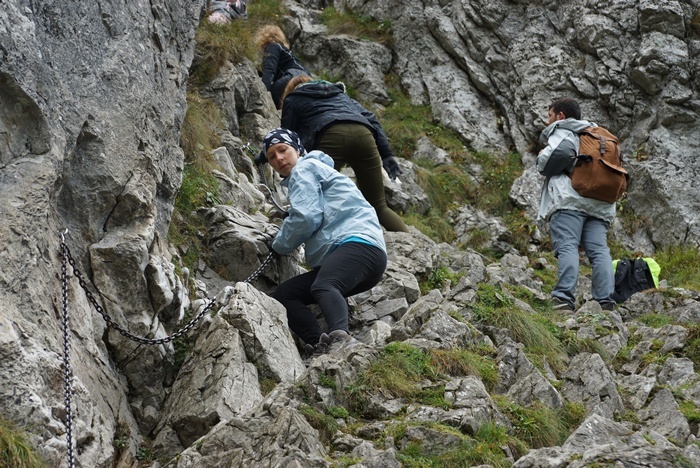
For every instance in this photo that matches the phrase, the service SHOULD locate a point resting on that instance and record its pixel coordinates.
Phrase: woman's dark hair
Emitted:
(567, 106)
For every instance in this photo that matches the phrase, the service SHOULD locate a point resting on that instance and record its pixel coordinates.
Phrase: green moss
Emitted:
(656, 320)
(15, 448)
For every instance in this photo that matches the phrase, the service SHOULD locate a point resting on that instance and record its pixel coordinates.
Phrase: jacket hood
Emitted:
(320, 156)
(567, 124)
(320, 89)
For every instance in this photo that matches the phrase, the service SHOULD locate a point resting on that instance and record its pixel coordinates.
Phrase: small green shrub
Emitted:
(437, 278)
(200, 131)
(217, 44)
(691, 350)
(486, 447)
(15, 449)
(328, 381)
(432, 224)
(690, 410)
(447, 187)
(337, 412)
(267, 385)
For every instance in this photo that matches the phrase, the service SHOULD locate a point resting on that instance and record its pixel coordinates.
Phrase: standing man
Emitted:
(573, 219)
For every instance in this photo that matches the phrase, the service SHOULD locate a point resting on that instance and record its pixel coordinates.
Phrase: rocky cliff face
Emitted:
(92, 98)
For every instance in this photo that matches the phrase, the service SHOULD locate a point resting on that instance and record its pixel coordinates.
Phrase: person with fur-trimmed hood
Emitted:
(329, 120)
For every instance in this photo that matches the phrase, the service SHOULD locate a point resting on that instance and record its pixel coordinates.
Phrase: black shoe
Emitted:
(562, 305)
(607, 305)
(313, 351)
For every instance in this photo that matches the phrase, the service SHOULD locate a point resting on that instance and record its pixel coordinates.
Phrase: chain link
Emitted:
(68, 371)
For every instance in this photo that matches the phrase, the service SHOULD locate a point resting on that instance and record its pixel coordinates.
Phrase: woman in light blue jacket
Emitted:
(344, 242)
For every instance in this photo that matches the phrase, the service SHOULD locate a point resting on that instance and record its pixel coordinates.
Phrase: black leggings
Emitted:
(350, 269)
(353, 144)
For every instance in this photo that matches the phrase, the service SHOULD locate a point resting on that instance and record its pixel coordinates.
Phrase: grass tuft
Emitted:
(679, 266)
(534, 331)
(15, 449)
(217, 44)
(460, 362)
(360, 26)
(539, 426)
(396, 373)
(437, 278)
(323, 423)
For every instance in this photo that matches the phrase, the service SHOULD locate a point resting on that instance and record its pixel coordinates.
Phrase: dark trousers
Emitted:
(353, 144)
(350, 269)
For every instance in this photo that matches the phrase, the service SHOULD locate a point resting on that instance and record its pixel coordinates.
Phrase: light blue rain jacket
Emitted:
(326, 209)
(557, 192)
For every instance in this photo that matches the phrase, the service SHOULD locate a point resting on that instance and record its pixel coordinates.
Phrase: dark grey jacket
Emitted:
(311, 108)
(278, 60)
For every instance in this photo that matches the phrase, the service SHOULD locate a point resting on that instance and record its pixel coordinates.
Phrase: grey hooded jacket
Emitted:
(561, 137)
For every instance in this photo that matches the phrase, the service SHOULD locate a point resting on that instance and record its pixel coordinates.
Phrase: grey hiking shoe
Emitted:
(337, 340)
(562, 305)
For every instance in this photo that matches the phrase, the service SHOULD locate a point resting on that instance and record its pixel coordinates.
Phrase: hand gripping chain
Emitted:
(68, 372)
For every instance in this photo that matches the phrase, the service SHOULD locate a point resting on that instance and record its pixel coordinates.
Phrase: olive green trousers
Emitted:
(353, 144)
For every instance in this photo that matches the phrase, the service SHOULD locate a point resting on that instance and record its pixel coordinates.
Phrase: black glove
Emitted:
(391, 166)
(260, 159)
(272, 251)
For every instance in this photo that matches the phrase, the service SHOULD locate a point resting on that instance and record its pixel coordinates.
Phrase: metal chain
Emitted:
(67, 370)
(149, 341)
